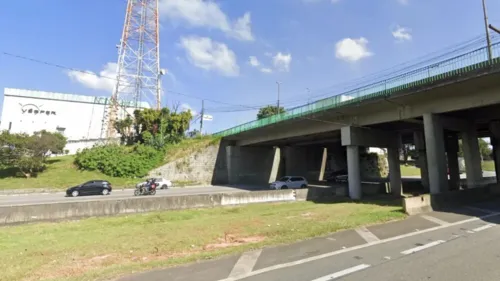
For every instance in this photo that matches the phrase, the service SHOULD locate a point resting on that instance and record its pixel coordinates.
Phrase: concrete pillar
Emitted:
(354, 173)
(394, 171)
(323, 164)
(275, 165)
(452, 155)
(233, 165)
(418, 138)
(436, 159)
(495, 142)
(472, 157)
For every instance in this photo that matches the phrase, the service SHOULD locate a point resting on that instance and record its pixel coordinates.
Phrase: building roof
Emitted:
(65, 97)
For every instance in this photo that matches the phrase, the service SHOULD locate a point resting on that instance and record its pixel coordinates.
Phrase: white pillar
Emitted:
(353, 171)
(275, 165)
(394, 171)
(495, 142)
(323, 164)
(472, 156)
(418, 138)
(436, 159)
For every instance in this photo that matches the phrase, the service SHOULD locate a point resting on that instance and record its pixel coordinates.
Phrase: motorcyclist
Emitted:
(148, 185)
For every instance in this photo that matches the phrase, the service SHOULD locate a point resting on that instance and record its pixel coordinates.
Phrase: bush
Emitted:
(120, 161)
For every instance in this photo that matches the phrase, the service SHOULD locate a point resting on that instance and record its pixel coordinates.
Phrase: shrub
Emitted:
(120, 161)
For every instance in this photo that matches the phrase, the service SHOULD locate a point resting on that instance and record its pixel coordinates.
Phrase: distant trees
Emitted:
(269, 110)
(28, 153)
(484, 149)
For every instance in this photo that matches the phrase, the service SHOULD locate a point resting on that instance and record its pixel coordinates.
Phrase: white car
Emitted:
(289, 182)
(162, 183)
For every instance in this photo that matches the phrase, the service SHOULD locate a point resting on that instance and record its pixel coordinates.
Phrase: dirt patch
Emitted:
(232, 241)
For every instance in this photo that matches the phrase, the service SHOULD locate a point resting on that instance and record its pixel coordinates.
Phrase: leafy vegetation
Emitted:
(269, 110)
(27, 155)
(147, 136)
(70, 250)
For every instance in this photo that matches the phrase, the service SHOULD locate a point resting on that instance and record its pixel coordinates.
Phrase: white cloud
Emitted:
(204, 53)
(199, 13)
(105, 80)
(187, 107)
(402, 33)
(352, 50)
(253, 61)
(282, 61)
(266, 70)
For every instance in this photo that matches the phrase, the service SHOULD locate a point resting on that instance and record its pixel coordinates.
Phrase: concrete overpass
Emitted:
(432, 107)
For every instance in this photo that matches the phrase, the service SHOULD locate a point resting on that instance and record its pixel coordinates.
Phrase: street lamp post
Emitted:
(278, 83)
(488, 40)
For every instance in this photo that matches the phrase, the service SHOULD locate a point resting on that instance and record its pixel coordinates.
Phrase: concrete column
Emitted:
(275, 166)
(354, 173)
(233, 165)
(418, 138)
(394, 171)
(495, 142)
(436, 159)
(452, 155)
(472, 156)
(323, 164)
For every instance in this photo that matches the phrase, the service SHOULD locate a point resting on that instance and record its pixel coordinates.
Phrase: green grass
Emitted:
(409, 170)
(188, 146)
(60, 174)
(104, 248)
(488, 166)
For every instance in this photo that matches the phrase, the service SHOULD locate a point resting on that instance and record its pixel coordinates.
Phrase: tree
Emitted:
(29, 153)
(269, 110)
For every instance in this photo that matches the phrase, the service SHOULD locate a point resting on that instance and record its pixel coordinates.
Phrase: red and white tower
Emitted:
(138, 69)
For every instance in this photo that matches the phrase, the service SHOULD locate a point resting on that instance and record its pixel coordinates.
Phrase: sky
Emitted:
(231, 53)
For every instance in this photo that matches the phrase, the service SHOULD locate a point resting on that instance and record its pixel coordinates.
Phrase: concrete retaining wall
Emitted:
(72, 210)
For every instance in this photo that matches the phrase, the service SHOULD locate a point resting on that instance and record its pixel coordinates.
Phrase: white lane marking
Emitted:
(343, 272)
(346, 250)
(480, 210)
(367, 235)
(423, 247)
(481, 228)
(434, 220)
(245, 263)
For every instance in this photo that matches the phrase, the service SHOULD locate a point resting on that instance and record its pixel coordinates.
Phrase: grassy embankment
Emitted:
(103, 248)
(61, 173)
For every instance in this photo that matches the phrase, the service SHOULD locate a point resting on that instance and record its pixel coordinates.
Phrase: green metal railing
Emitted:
(456, 66)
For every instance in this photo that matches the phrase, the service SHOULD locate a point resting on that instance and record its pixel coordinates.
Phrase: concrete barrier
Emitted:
(426, 203)
(241, 198)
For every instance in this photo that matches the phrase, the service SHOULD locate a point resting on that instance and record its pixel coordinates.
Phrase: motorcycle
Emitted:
(147, 189)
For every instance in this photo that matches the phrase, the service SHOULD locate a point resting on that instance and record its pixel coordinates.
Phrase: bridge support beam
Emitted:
(394, 171)
(495, 142)
(436, 159)
(453, 166)
(472, 157)
(422, 158)
(354, 172)
(324, 158)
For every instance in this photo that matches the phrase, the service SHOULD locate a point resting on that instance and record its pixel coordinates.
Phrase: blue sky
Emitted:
(233, 50)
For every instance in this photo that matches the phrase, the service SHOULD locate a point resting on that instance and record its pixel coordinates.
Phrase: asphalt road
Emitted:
(458, 244)
(59, 197)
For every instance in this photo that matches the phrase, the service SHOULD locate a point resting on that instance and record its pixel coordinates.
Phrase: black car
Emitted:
(93, 187)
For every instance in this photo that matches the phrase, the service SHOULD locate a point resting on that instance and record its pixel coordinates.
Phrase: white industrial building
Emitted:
(78, 117)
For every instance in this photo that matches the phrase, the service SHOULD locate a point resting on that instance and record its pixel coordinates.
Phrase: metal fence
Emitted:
(459, 65)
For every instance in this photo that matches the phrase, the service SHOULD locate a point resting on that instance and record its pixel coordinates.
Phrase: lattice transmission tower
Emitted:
(138, 76)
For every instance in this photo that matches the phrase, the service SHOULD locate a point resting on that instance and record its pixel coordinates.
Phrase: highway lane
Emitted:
(59, 197)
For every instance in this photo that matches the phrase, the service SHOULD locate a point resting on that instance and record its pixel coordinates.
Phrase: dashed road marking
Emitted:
(484, 227)
(344, 272)
(367, 235)
(245, 263)
(434, 220)
(423, 247)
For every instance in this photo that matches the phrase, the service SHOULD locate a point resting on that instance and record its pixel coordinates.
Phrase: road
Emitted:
(457, 244)
(59, 197)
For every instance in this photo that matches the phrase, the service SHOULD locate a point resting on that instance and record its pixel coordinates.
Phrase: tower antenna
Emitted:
(138, 68)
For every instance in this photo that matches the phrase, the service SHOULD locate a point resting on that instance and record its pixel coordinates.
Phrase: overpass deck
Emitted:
(462, 66)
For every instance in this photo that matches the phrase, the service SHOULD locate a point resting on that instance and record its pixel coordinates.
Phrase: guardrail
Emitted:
(456, 66)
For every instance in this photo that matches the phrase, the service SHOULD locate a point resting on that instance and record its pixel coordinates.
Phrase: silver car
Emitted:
(289, 182)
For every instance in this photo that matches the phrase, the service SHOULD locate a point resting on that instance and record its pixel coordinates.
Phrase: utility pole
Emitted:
(308, 95)
(488, 40)
(201, 116)
(278, 109)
